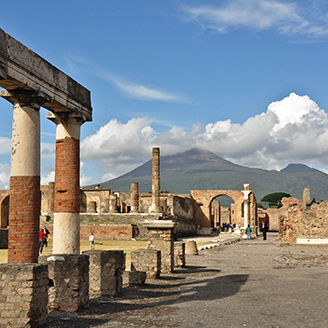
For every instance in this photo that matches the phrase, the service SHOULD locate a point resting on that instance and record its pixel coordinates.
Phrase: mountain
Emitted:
(203, 170)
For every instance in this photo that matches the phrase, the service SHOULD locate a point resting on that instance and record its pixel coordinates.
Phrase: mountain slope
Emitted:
(201, 169)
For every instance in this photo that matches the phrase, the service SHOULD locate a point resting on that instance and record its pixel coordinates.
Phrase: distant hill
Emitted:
(202, 170)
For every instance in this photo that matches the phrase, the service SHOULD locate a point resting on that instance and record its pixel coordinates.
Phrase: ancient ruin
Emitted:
(31, 82)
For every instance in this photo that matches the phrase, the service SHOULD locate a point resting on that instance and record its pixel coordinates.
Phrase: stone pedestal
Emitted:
(161, 237)
(105, 272)
(147, 260)
(23, 295)
(70, 276)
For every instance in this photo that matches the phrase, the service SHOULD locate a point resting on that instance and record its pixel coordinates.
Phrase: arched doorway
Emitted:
(5, 212)
(221, 210)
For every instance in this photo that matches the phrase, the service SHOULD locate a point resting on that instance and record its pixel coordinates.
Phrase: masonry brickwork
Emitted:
(70, 277)
(297, 222)
(147, 260)
(67, 184)
(23, 295)
(105, 272)
(25, 200)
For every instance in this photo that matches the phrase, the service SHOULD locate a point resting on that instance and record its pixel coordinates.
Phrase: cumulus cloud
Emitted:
(293, 129)
(288, 18)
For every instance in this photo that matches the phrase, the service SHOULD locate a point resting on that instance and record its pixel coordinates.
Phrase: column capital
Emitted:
(68, 125)
(32, 99)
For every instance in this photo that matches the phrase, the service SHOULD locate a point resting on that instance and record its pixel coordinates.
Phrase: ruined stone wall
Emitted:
(44, 199)
(181, 206)
(99, 196)
(296, 222)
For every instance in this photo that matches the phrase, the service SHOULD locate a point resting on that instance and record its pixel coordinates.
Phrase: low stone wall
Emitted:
(69, 275)
(107, 232)
(105, 272)
(23, 295)
(3, 238)
(147, 260)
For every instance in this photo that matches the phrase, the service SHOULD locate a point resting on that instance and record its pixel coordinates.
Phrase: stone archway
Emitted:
(4, 202)
(244, 208)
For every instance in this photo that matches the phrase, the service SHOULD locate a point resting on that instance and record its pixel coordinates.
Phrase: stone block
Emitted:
(24, 295)
(147, 260)
(134, 278)
(69, 275)
(179, 254)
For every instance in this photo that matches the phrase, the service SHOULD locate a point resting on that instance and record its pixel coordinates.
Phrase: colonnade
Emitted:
(25, 195)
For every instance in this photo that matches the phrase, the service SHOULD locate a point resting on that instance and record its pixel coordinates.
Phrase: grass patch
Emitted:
(108, 245)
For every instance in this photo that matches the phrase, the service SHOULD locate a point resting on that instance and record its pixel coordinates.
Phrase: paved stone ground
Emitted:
(252, 283)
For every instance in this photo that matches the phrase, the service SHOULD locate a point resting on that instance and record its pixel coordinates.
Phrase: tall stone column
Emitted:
(67, 185)
(155, 185)
(134, 197)
(51, 197)
(25, 195)
(246, 193)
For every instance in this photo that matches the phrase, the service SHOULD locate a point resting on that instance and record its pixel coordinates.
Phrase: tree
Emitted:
(274, 199)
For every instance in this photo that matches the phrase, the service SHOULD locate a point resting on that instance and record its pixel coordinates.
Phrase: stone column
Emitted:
(113, 203)
(51, 197)
(134, 197)
(25, 195)
(306, 198)
(67, 185)
(246, 193)
(155, 185)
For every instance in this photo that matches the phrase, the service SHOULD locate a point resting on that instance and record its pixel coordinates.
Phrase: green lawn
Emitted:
(124, 245)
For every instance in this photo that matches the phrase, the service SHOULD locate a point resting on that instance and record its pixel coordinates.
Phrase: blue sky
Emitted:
(244, 79)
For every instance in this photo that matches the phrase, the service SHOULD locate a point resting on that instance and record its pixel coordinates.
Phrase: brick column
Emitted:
(134, 197)
(155, 184)
(25, 195)
(67, 185)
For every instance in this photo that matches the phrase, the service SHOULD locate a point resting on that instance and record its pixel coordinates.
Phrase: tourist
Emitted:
(41, 240)
(264, 229)
(92, 241)
(249, 232)
(46, 234)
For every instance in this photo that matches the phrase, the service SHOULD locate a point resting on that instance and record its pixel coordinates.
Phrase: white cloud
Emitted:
(5, 146)
(258, 15)
(4, 176)
(292, 130)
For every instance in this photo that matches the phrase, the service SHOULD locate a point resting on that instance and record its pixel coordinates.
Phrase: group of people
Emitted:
(264, 229)
(43, 238)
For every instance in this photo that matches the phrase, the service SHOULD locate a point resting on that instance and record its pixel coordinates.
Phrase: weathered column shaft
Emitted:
(246, 213)
(155, 186)
(134, 197)
(25, 195)
(67, 187)
(51, 197)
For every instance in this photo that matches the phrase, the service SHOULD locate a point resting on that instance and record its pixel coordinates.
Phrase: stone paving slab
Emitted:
(250, 283)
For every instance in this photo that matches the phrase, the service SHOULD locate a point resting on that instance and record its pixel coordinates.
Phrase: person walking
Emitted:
(92, 241)
(264, 230)
(41, 240)
(46, 233)
(249, 232)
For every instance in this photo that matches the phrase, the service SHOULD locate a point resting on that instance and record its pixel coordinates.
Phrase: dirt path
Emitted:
(246, 284)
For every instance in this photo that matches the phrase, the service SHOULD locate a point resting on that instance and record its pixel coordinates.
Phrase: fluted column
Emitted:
(155, 185)
(67, 185)
(25, 195)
